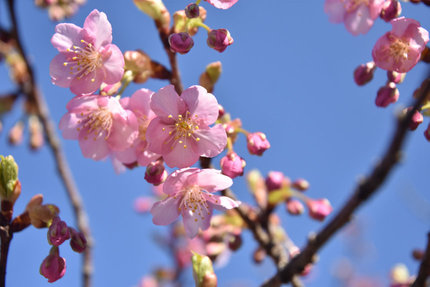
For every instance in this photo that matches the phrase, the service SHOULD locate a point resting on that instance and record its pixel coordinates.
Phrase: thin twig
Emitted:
(362, 193)
(33, 95)
(5, 236)
(424, 271)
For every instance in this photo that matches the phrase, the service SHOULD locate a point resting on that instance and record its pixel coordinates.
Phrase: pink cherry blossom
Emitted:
(181, 132)
(100, 124)
(357, 15)
(138, 103)
(222, 4)
(400, 49)
(189, 193)
(87, 58)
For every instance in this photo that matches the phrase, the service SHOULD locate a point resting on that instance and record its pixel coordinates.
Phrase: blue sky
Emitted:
(289, 75)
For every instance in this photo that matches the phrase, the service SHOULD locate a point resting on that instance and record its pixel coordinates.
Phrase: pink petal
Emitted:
(401, 26)
(212, 141)
(68, 126)
(202, 104)
(86, 85)
(126, 156)
(222, 203)
(222, 4)
(66, 35)
(124, 131)
(60, 74)
(82, 104)
(335, 10)
(177, 180)
(140, 101)
(166, 102)
(145, 157)
(211, 180)
(157, 138)
(166, 211)
(98, 26)
(375, 7)
(95, 148)
(114, 65)
(193, 221)
(359, 21)
(179, 156)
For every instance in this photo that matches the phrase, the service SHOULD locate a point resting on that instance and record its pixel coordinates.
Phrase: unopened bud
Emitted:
(211, 75)
(235, 242)
(16, 133)
(192, 10)
(41, 215)
(257, 143)
(155, 172)
(210, 280)
(294, 207)
(391, 9)
(58, 232)
(8, 177)
(300, 184)
(232, 165)
(386, 95)
(36, 132)
(319, 208)
(139, 63)
(274, 180)
(418, 254)
(53, 266)
(156, 10)
(399, 274)
(416, 120)
(427, 133)
(259, 255)
(395, 77)
(181, 23)
(181, 42)
(221, 112)
(364, 73)
(202, 266)
(77, 241)
(219, 39)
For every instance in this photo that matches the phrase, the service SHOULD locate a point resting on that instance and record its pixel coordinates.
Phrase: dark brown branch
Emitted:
(424, 271)
(175, 78)
(6, 237)
(362, 193)
(33, 95)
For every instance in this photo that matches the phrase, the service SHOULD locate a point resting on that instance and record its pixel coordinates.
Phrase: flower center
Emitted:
(96, 122)
(184, 129)
(194, 201)
(85, 60)
(352, 5)
(398, 49)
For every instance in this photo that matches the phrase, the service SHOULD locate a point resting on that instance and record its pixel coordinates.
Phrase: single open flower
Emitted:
(189, 193)
(181, 132)
(400, 49)
(357, 15)
(87, 58)
(100, 124)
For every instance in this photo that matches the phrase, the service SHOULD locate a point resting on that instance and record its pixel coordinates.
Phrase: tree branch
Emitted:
(424, 270)
(30, 90)
(362, 193)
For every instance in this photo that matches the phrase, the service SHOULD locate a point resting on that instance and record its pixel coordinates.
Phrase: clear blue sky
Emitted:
(288, 74)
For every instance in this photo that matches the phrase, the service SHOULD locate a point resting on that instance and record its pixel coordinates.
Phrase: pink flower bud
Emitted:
(417, 119)
(16, 133)
(181, 42)
(395, 77)
(294, 207)
(427, 133)
(192, 10)
(232, 165)
(58, 232)
(53, 266)
(78, 243)
(391, 9)
(364, 73)
(274, 180)
(235, 242)
(221, 111)
(319, 208)
(300, 184)
(155, 172)
(257, 143)
(219, 39)
(386, 95)
(259, 255)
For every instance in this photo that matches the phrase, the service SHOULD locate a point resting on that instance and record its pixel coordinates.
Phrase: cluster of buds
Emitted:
(60, 9)
(35, 130)
(185, 26)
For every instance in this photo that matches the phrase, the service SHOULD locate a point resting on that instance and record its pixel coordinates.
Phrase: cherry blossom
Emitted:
(400, 49)
(87, 58)
(181, 132)
(189, 193)
(357, 15)
(222, 4)
(100, 124)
